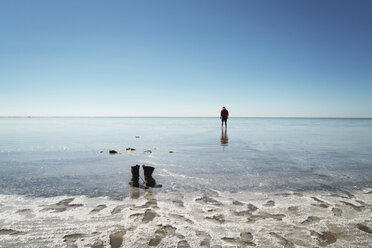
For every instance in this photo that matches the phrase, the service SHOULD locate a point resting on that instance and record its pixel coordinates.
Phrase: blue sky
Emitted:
(186, 58)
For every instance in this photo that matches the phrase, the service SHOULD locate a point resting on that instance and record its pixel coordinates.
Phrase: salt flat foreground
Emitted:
(204, 219)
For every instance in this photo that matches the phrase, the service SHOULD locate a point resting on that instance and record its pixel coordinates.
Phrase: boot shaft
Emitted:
(135, 176)
(148, 170)
(149, 180)
(135, 171)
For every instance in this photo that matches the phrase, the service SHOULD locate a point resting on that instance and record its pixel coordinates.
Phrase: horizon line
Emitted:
(118, 116)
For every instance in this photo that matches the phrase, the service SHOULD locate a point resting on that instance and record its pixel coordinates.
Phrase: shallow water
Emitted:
(61, 156)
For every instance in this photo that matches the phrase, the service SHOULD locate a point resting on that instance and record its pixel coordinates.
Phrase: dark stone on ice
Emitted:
(208, 200)
(9, 232)
(364, 228)
(324, 238)
(219, 218)
(269, 203)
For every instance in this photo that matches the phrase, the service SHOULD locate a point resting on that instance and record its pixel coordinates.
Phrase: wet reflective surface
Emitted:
(224, 137)
(70, 156)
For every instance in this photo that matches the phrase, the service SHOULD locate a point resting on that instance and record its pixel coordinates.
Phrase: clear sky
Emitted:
(186, 58)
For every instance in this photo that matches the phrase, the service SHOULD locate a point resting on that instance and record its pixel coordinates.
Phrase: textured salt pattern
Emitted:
(208, 219)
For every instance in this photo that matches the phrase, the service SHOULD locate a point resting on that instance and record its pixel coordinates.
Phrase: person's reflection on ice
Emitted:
(224, 138)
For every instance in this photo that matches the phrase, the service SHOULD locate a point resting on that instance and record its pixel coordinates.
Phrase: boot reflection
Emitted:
(134, 192)
(149, 195)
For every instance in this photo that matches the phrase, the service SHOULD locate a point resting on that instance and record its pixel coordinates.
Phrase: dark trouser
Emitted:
(224, 119)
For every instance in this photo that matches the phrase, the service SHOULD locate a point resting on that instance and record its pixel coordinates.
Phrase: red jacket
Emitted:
(224, 113)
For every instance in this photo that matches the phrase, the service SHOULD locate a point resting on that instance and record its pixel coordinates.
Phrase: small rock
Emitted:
(317, 199)
(100, 151)
(73, 237)
(246, 237)
(243, 213)
(231, 240)
(98, 208)
(183, 218)
(283, 241)
(62, 206)
(98, 244)
(171, 151)
(219, 218)
(252, 207)
(355, 207)
(208, 200)
(9, 232)
(183, 244)
(147, 152)
(364, 228)
(136, 215)
(24, 211)
(324, 238)
(237, 203)
(205, 243)
(293, 208)
(155, 241)
(137, 137)
(113, 152)
(252, 218)
(118, 209)
(180, 236)
(270, 203)
(321, 205)
(179, 203)
(129, 149)
(310, 220)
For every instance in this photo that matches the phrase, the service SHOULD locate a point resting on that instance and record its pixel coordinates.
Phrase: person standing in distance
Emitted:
(224, 116)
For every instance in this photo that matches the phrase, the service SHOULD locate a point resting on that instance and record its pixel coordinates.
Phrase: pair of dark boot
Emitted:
(147, 171)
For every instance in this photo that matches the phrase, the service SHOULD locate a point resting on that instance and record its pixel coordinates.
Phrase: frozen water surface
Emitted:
(62, 156)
